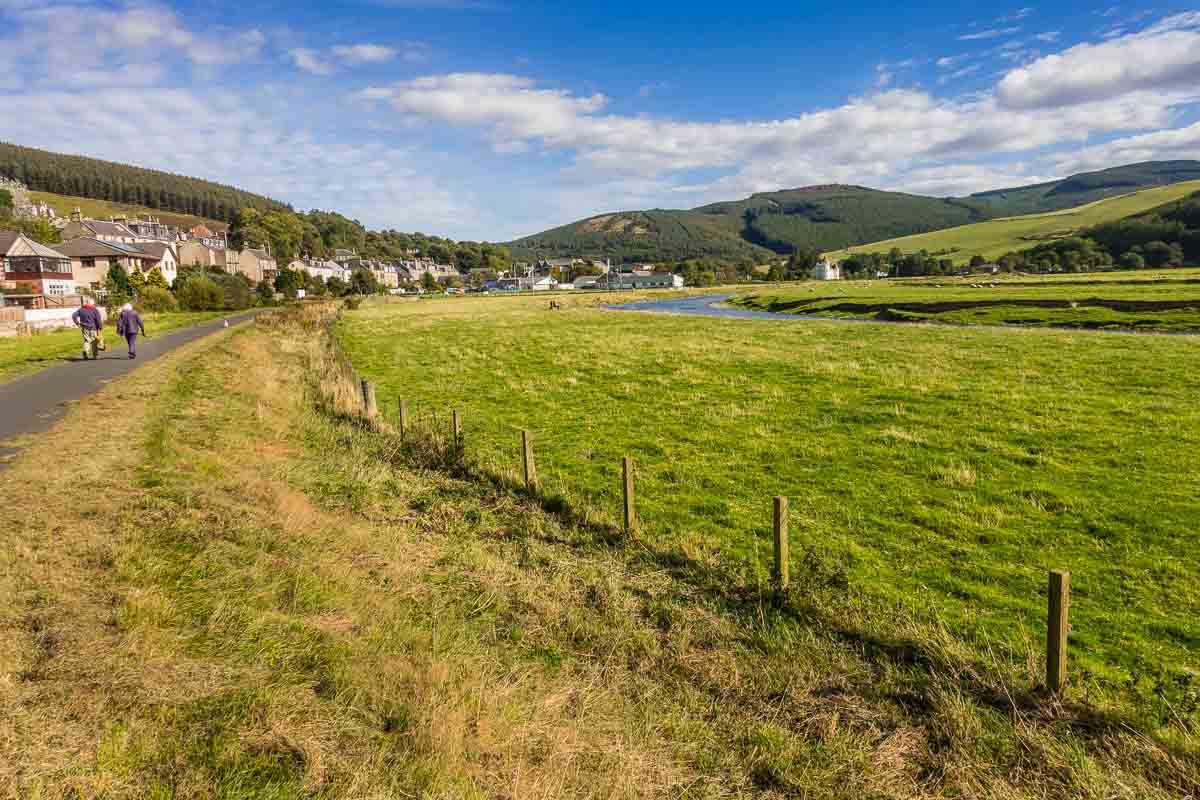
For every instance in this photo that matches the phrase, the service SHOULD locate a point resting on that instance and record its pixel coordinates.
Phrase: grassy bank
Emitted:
(936, 469)
(994, 238)
(264, 597)
(23, 354)
(1161, 300)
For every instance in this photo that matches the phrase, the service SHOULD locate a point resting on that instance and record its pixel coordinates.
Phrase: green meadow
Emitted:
(1157, 300)
(996, 237)
(939, 471)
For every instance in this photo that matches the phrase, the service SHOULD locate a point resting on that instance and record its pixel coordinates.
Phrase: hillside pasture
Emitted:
(994, 238)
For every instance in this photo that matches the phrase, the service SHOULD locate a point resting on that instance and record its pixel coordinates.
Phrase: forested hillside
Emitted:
(827, 218)
(91, 178)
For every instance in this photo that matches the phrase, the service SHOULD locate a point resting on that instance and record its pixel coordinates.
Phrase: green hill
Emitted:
(994, 238)
(90, 178)
(63, 205)
(827, 217)
(1087, 187)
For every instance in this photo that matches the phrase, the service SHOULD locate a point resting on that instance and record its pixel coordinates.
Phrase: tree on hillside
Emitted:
(156, 279)
(1132, 260)
(428, 282)
(363, 282)
(288, 282)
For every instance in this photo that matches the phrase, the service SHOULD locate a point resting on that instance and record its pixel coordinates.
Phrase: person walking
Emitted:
(129, 325)
(91, 323)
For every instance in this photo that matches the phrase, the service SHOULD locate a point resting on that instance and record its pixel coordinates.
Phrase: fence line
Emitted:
(1058, 594)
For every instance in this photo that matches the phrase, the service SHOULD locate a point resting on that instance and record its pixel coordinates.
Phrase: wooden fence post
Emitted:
(781, 542)
(368, 394)
(1058, 623)
(403, 417)
(457, 432)
(627, 485)
(527, 461)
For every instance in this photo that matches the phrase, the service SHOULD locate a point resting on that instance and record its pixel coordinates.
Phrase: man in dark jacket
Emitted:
(90, 321)
(129, 325)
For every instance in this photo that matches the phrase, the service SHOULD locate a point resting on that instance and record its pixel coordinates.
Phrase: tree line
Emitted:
(92, 178)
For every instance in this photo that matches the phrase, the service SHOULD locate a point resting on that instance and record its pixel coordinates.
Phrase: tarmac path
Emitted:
(34, 403)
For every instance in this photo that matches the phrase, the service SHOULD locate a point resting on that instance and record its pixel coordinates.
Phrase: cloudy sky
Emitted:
(489, 119)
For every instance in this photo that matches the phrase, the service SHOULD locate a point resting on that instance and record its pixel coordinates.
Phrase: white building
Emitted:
(827, 271)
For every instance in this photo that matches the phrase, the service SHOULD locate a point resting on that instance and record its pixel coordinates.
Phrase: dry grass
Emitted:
(251, 592)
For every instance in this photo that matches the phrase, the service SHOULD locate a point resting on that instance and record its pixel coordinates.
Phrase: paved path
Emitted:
(33, 404)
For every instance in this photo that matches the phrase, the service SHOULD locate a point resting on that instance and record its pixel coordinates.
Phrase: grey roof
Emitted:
(107, 228)
(87, 247)
(7, 240)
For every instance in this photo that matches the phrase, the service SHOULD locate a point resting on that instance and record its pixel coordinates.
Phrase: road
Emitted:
(34, 403)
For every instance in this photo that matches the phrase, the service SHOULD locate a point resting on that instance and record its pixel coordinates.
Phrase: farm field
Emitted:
(940, 471)
(1155, 300)
(23, 354)
(996, 237)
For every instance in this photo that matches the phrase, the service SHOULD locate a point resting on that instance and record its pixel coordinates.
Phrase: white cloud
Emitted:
(960, 73)
(1048, 36)
(991, 33)
(946, 62)
(1177, 143)
(310, 61)
(364, 53)
(76, 43)
(1016, 16)
(1166, 59)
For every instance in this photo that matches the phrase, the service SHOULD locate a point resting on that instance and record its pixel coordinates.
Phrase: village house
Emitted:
(151, 229)
(827, 271)
(113, 230)
(92, 258)
(319, 268)
(417, 268)
(528, 283)
(258, 265)
(641, 280)
(167, 263)
(42, 269)
(217, 240)
(195, 253)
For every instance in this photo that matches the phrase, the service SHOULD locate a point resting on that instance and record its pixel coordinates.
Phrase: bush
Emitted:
(201, 294)
(155, 298)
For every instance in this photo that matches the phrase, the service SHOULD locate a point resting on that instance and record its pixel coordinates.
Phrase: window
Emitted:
(87, 263)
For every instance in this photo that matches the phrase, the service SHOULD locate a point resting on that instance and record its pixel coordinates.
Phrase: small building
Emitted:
(152, 229)
(166, 262)
(92, 258)
(528, 283)
(257, 264)
(197, 253)
(43, 269)
(653, 280)
(827, 270)
(218, 240)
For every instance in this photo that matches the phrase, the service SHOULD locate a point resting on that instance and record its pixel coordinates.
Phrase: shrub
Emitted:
(155, 298)
(201, 294)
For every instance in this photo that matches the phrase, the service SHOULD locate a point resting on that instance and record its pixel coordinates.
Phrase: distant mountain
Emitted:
(825, 217)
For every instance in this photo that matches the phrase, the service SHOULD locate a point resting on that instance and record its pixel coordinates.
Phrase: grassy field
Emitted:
(263, 596)
(23, 354)
(63, 205)
(1157, 300)
(937, 469)
(994, 238)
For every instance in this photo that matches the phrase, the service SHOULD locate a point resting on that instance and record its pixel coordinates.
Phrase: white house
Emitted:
(827, 270)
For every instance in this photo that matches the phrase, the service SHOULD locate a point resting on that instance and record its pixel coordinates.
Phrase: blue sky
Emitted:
(489, 119)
